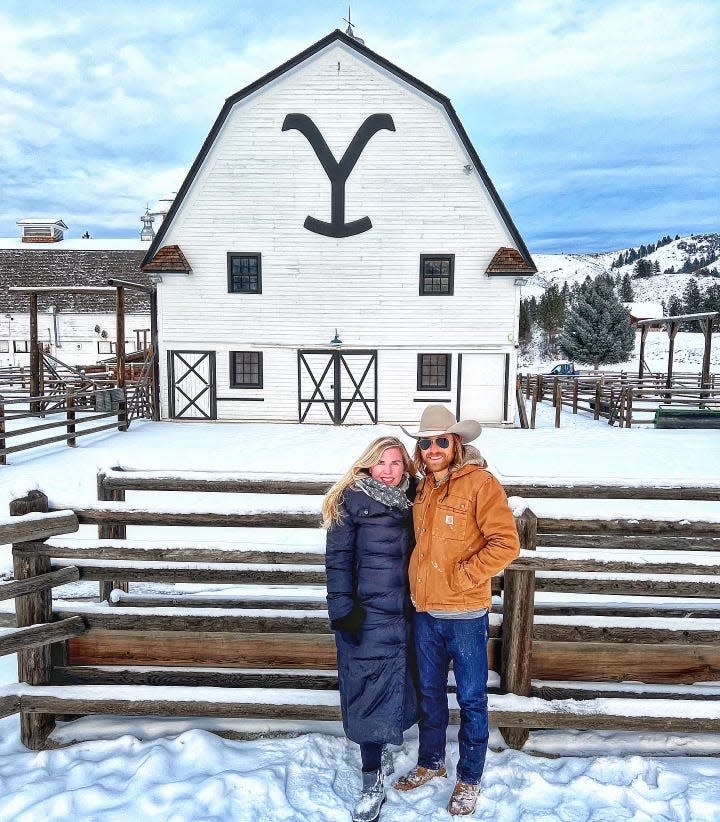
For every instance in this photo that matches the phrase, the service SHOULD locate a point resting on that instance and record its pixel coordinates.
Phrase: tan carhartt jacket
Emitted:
(465, 534)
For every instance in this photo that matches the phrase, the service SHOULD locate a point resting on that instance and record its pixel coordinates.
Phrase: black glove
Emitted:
(350, 626)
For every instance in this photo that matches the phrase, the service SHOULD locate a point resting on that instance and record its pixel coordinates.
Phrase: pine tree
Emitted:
(675, 306)
(643, 268)
(597, 329)
(525, 324)
(551, 314)
(693, 302)
(626, 290)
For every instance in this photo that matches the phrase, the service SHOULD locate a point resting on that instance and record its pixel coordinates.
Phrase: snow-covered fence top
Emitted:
(246, 482)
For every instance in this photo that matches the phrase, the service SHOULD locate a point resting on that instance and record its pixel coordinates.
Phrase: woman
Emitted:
(368, 515)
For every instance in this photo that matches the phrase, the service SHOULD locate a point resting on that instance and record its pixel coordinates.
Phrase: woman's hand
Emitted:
(350, 626)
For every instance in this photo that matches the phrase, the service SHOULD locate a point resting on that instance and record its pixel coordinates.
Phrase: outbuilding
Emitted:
(337, 254)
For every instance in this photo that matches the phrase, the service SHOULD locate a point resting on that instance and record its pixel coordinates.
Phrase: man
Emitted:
(465, 534)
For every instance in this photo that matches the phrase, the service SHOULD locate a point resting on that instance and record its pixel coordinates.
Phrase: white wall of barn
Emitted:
(252, 194)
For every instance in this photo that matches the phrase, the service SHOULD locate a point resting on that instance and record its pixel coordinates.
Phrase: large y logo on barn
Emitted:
(338, 173)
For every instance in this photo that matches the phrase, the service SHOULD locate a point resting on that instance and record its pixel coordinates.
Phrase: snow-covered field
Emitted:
(176, 770)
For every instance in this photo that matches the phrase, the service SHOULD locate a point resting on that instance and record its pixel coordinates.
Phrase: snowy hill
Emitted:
(560, 268)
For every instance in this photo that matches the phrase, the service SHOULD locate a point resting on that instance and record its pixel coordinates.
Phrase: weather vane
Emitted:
(349, 30)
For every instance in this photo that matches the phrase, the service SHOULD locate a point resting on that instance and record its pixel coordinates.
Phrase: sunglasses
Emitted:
(426, 442)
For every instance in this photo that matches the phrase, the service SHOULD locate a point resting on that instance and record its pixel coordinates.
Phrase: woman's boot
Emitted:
(367, 808)
(387, 761)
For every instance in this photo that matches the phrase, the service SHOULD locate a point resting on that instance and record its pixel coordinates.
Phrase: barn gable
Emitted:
(339, 37)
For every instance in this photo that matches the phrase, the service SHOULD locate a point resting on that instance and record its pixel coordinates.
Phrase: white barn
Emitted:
(337, 254)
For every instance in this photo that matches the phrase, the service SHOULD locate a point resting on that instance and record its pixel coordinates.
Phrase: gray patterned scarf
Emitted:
(394, 496)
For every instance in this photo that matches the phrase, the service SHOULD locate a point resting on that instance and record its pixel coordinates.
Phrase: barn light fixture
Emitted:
(467, 168)
(336, 339)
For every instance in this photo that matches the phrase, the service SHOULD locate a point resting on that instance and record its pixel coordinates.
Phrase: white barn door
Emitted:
(191, 385)
(482, 378)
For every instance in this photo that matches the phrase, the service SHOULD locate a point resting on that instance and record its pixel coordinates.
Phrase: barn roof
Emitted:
(68, 267)
(509, 261)
(350, 42)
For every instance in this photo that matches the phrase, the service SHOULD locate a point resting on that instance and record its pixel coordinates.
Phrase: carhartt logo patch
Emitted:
(449, 519)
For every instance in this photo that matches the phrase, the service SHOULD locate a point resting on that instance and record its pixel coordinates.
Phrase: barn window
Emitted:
(437, 273)
(106, 347)
(244, 274)
(4, 346)
(21, 346)
(246, 369)
(433, 372)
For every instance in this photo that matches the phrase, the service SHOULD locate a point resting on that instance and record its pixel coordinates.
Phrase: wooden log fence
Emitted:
(278, 642)
(620, 399)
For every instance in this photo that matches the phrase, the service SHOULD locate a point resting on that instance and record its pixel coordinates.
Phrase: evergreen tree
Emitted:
(551, 314)
(643, 268)
(626, 290)
(675, 306)
(525, 324)
(597, 329)
(656, 267)
(693, 302)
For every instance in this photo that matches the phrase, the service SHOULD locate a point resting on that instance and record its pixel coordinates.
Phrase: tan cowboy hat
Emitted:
(436, 420)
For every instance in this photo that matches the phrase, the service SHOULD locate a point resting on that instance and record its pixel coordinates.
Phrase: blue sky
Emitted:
(598, 122)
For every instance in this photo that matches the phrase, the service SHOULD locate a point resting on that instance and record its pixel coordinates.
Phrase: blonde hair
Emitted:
(360, 468)
(457, 460)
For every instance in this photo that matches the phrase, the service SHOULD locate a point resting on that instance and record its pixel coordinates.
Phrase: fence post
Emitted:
(3, 457)
(557, 401)
(628, 407)
(533, 407)
(34, 664)
(112, 531)
(517, 626)
(122, 415)
(554, 391)
(598, 394)
(70, 402)
(575, 395)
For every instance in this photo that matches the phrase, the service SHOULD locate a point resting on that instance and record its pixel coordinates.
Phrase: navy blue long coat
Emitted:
(367, 558)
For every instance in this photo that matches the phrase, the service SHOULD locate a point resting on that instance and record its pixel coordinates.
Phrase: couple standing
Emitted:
(447, 534)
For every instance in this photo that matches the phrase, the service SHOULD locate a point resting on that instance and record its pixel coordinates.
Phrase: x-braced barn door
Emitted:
(192, 385)
(337, 386)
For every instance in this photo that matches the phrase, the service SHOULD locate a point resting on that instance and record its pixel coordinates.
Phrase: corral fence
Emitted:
(264, 650)
(620, 399)
(68, 417)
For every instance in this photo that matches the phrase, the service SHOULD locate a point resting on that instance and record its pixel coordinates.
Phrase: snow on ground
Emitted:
(177, 770)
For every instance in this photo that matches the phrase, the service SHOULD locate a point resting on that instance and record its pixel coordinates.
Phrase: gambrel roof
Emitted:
(339, 36)
(58, 266)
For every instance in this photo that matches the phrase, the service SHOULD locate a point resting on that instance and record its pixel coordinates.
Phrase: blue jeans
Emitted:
(464, 642)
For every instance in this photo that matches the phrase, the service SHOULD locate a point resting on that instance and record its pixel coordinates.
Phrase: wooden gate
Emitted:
(191, 385)
(337, 386)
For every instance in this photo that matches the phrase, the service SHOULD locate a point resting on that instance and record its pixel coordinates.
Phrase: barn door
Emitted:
(191, 385)
(337, 386)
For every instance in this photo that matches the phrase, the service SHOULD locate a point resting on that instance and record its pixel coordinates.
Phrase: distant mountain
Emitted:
(677, 260)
